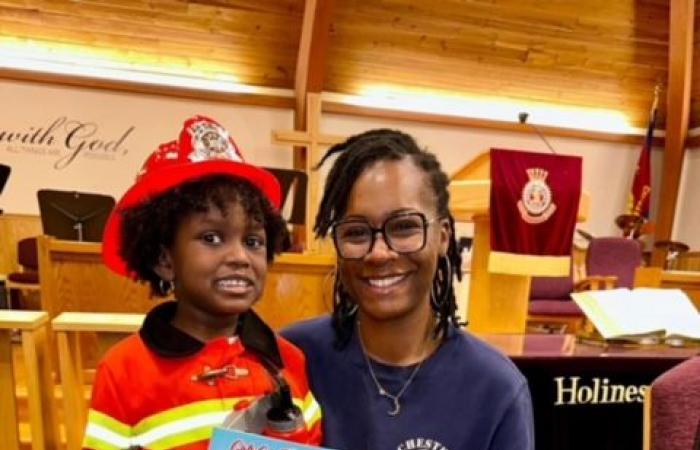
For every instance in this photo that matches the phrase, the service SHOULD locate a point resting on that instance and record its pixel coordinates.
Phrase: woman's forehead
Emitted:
(390, 186)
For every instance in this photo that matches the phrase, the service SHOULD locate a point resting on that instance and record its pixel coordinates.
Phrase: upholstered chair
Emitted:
(672, 408)
(614, 257)
(27, 278)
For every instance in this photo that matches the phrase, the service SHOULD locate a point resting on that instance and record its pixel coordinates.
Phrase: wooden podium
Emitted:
(497, 303)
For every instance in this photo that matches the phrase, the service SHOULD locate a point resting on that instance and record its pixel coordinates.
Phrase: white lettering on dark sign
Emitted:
(598, 391)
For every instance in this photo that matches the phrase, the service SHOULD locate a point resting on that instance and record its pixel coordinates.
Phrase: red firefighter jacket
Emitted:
(163, 389)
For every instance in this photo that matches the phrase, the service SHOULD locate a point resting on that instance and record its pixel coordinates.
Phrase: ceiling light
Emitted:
(79, 62)
(491, 108)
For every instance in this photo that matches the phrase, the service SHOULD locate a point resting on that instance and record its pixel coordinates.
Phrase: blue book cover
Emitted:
(227, 439)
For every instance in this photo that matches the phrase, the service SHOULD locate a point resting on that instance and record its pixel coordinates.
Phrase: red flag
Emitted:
(641, 185)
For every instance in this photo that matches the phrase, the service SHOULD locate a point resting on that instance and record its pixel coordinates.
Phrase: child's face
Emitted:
(218, 263)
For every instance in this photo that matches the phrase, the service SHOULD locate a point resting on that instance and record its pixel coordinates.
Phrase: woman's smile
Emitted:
(386, 282)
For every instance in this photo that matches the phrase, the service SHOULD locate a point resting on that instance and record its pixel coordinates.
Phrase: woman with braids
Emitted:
(391, 369)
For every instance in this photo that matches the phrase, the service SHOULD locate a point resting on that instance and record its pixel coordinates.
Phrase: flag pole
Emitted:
(655, 103)
(638, 204)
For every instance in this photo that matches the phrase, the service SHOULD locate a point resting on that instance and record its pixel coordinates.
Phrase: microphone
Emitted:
(522, 118)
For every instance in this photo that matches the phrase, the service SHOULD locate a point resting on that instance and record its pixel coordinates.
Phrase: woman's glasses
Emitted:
(403, 233)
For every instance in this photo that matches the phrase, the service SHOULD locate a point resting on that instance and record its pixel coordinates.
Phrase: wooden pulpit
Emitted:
(498, 303)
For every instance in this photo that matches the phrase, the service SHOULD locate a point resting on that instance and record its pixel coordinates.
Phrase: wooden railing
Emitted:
(110, 328)
(32, 326)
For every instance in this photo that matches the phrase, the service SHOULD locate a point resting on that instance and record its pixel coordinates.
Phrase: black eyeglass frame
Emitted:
(382, 229)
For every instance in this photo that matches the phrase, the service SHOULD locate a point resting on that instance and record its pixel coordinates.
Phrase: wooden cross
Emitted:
(315, 142)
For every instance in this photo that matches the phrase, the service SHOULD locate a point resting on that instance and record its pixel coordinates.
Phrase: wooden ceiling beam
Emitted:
(311, 61)
(309, 78)
(680, 58)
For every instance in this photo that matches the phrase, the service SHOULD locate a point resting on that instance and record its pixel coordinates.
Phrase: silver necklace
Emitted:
(393, 398)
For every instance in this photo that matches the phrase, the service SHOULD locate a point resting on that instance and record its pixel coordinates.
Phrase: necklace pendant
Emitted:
(396, 409)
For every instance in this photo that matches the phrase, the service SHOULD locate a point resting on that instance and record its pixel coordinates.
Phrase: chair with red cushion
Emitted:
(27, 278)
(672, 406)
(551, 307)
(614, 257)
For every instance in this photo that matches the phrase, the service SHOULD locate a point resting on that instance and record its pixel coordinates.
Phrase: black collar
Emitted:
(165, 340)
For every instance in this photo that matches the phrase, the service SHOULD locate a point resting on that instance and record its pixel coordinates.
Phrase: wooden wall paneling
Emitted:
(298, 287)
(689, 261)
(73, 278)
(682, 13)
(561, 50)
(655, 277)
(688, 281)
(256, 42)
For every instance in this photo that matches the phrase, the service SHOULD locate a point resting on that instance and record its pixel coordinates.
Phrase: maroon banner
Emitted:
(534, 204)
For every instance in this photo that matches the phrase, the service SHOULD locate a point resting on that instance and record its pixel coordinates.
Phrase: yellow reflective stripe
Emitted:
(183, 412)
(183, 438)
(309, 408)
(96, 443)
(105, 433)
(175, 427)
(103, 420)
(105, 437)
(181, 432)
(312, 410)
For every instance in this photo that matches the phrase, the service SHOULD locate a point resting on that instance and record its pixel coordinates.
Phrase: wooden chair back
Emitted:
(14, 228)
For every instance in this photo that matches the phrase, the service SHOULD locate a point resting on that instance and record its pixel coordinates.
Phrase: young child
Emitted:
(201, 222)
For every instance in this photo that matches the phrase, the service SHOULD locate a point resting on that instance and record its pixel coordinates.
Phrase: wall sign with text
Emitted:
(65, 139)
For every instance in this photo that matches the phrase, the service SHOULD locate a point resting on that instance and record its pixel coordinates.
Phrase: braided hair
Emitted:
(355, 155)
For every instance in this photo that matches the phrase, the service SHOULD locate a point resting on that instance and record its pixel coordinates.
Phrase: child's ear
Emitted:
(164, 269)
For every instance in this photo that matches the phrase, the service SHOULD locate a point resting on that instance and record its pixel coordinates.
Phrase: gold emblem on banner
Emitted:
(535, 204)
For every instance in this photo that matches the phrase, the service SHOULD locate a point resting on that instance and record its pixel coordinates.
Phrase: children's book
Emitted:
(634, 315)
(228, 439)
